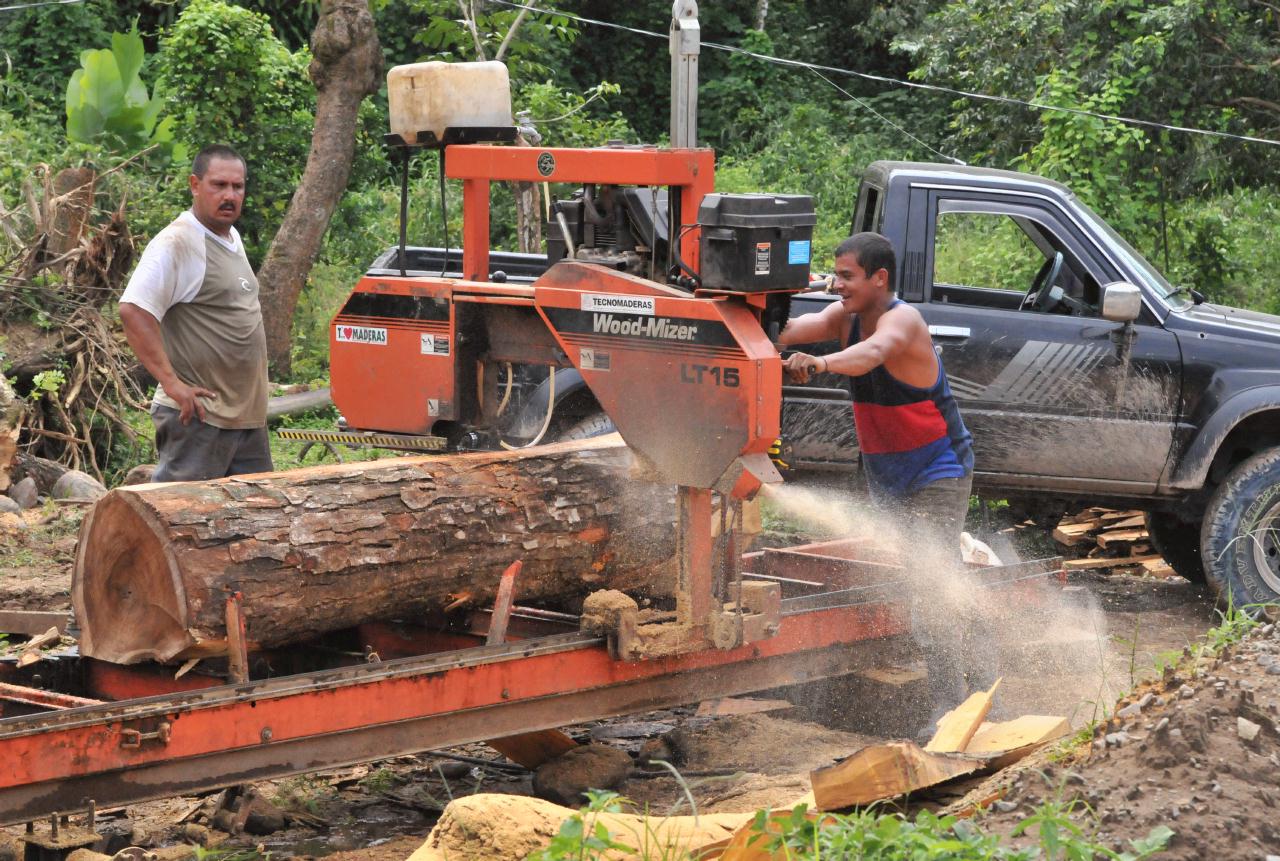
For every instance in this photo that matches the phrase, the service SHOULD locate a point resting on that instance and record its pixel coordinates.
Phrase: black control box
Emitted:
(753, 243)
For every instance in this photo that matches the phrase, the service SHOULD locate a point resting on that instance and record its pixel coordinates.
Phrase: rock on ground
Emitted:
(25, 494)
(564, 779)
(140, 474)
(75, 484)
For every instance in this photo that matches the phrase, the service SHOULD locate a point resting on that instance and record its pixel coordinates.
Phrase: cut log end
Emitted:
(135, 597)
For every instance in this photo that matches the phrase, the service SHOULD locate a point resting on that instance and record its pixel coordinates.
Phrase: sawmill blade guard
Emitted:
(692, 384)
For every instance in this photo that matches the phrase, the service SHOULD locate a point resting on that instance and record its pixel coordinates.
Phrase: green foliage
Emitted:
(1225, 247)
(381, 780)
(564, 120)
(1235, 625)
(47, 383)
(531, 52)
(40, 48)
(812, 151)
(107, 102)
(893, 837)
(228, 853)
(582, 836)
(307, 793)
(234, 82)
(1126, 57)
(740, 105)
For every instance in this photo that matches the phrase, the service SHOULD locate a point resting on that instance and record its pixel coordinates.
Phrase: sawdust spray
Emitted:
(1049, 644)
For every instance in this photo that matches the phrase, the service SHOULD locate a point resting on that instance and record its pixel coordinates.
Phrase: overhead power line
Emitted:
(916, 85)
(18, 6)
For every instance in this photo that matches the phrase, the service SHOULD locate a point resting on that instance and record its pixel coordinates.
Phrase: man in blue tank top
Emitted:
(917, 454)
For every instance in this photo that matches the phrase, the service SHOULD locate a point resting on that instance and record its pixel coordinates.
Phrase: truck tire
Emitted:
(1179, 543)
(595, 424)
(1240, 538)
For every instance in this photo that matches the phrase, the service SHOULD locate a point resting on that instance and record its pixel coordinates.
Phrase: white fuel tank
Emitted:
(434, 96)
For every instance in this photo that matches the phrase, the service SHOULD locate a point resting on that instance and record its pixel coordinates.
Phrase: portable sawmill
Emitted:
(661, 298)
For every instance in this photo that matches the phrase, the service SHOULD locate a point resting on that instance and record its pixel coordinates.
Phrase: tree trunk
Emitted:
(347, 67)
(325, 548)
(762, 13)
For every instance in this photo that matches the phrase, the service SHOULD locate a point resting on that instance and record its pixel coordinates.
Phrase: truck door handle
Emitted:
(949, 331)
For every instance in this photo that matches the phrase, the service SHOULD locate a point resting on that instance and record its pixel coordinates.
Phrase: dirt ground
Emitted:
(1197, 750)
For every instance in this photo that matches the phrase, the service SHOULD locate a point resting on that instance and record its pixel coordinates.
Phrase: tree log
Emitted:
(324, 548)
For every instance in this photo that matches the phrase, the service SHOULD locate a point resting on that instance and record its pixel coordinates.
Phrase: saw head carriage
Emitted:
(656, 299)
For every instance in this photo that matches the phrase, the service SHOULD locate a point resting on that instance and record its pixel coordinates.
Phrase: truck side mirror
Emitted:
(1121, 302)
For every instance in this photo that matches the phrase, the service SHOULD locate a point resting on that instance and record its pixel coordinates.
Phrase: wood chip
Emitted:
(886, 771)
(1106, 539)
(1016, 738)
(1108, 562)
(958, 726)
(532, 749)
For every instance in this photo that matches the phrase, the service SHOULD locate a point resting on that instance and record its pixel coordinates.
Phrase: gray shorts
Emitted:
(199, 451)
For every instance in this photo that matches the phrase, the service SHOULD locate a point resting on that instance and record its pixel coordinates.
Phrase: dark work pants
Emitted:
(197, 451)
(947, 619)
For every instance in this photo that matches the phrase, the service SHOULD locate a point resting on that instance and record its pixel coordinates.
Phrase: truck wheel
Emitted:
(595, 424)
(1240, 538)
(1178, 543)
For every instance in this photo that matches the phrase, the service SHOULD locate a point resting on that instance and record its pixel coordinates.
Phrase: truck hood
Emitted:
(1231, 321)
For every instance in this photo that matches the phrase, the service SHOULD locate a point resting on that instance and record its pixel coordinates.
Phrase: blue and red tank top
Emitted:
(909, 436)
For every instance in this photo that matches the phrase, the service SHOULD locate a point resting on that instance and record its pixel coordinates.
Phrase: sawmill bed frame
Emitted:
(135, 733)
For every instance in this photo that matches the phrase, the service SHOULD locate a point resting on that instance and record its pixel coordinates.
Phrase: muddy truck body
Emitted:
(1081, 372)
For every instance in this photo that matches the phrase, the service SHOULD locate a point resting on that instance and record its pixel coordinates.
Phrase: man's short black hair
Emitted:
(873, 253)
(209, 153)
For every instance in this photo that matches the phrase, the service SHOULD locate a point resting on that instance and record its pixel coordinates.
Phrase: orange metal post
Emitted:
(475, 228)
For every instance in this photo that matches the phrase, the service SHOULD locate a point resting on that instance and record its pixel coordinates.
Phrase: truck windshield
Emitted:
(1136, 263)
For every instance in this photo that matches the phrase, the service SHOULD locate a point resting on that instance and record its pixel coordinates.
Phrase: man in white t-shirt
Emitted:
(191, 314)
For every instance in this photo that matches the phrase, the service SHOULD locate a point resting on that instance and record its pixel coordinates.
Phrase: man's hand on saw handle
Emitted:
(799, 366)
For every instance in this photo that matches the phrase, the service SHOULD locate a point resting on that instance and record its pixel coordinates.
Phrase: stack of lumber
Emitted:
(1112, 540)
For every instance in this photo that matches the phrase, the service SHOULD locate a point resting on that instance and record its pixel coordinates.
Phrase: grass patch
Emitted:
(801, 834)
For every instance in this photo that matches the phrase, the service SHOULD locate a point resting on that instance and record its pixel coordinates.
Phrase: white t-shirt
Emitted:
(172, 267)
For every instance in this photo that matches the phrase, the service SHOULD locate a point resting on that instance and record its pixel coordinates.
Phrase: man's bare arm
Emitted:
(808, 328)
(143, 332)
(892, 336)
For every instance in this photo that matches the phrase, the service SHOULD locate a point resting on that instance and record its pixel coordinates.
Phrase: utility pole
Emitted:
(686, 44)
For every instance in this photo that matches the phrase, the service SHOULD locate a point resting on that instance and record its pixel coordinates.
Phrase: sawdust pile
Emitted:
(487, 827)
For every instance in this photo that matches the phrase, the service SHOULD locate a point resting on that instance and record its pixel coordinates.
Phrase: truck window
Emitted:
(992, 259)
(866, 210)
(978, 249)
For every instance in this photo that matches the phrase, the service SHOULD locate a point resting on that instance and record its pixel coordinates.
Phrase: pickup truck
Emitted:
(1081, 372)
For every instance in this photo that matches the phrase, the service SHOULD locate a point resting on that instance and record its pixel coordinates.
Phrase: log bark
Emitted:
(347, 68)
(328, 547)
